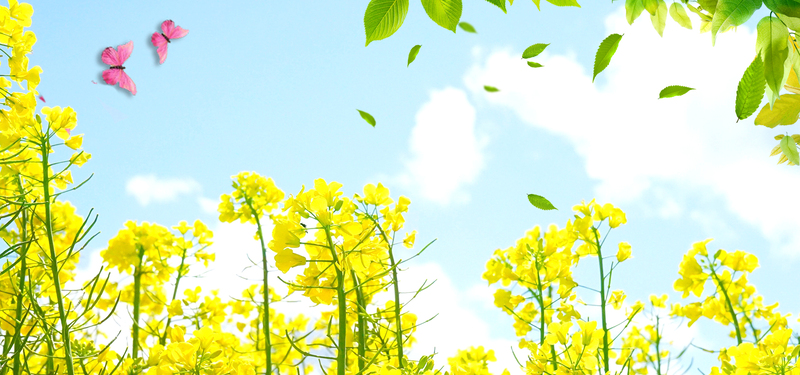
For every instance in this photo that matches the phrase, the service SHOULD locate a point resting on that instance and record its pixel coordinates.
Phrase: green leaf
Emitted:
(534, 50)
(541, 202)
(790, 8)
(703, 16)
(537, 4)
(732, 13)
(789, 148)
(633, 9)
(659, 20)
(491, 88)
(383, 17)
(679, 15)
(672, 91)
(605, 52)
(709, 6)
(500, 4)
(772, 44)
(445, 13)
(792, 22)
(467, 27)
(367, 117)
(534, 64)
(412, 55)
(751, 89)
(784, 112)
(651, 6)
(564, 3)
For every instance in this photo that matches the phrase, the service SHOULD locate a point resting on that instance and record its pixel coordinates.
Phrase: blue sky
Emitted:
(273, 87)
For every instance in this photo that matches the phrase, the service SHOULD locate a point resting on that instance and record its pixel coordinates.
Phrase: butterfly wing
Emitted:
(114, 76)
(161, 46)
(126, 82)
(124, 51)
(110, 56)
(111, 76)
(172, 31)
(117, 57)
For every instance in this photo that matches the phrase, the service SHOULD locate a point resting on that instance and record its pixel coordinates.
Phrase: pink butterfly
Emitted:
(161, 40)
(42, 99)
(116, 74)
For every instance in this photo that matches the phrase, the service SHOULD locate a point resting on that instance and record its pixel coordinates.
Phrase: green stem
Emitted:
(552, 348)
(362, 323)
(658, 345)
(23, 269)
(341, 354)
(48, 223)
(163, 339)
(397, 320)
(602, 299)
(137, 297)
(267, 341)
(730, 305)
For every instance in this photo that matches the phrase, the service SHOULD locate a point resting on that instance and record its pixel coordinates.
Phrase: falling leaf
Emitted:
(605, 52)
(534, 50)
(491, 88)
(467, 27)
(672, 91)
(534, 64)
(412, 55)
(540, 202)
(367, 117)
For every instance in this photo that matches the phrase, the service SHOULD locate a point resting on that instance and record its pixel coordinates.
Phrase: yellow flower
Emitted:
(75, 142)
(657, 301)
(175, 308)
(616, 299)
(624, 251)
(286, 259)
(409, 240)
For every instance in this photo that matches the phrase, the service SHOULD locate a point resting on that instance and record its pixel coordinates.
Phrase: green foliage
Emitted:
(367, 117)
(499, 3)
(790, 8)
(467, 27)
(445, 13)
(383, 17)
(751, 89)
(732, 13)
(659, 19)
(534, 64)
(633, 9)
(564, 3)
(651, 6)
(791, 22)
(534, 50)
(789, 148)
(412, 55)
(604, 53)
(490, 88)
(678, 14)
(541, 202)
(785, 111)
(672, 91)
(772, 44)
(709, 6)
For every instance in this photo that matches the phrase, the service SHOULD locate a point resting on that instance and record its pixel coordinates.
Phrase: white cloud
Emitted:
(446, 152)
(458, 325)
(148, 189)
(208, 205)
(638, 146)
